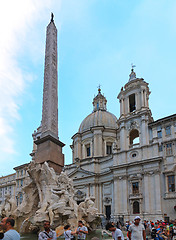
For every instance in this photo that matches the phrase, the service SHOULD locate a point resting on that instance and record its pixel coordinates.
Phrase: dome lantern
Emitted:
(99, 102)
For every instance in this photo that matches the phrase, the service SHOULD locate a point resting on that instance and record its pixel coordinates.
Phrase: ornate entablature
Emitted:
(152, 172)
(122, 177)
(135, 176)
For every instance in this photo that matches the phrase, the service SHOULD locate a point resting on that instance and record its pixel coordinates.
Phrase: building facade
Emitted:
(128, 164)
(7, 187)
(12, 185)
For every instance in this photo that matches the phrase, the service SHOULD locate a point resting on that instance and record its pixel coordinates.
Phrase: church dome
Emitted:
(99, 116)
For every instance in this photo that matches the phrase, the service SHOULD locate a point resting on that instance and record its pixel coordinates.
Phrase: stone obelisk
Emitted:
(49, 148)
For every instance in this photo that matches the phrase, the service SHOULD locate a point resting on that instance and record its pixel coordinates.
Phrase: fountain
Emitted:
(49, 196)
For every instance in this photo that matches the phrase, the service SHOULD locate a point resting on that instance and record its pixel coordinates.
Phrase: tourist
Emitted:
(7, 224)
(164, 234)
(116, 232)
(174, 230)
(48, 233)
(68, 234)
(81, 231)
(159, 232)
(153, 232)
(136, 230)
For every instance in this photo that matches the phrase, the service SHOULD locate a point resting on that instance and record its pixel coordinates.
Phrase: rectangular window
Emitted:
(171, 183)
(160, 148)
(159, 132)
(169, 149)
(135, 187)
(168, 130)
(132, 103)
(88, 150)
(109, 149)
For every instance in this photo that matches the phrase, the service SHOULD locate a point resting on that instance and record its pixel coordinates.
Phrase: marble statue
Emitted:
(8, 207)
(49, 196)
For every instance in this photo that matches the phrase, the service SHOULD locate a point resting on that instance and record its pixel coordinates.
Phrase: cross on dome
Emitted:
(99, 88)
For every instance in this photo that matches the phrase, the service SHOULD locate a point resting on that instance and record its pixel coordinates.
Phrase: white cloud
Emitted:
(16, 18)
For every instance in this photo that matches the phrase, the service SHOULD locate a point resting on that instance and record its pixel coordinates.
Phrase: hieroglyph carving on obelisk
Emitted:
(50, 89)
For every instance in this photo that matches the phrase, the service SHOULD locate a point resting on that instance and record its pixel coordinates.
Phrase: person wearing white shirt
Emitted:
(136, 231)
(116, 232)
(7, 225)
(68, 234)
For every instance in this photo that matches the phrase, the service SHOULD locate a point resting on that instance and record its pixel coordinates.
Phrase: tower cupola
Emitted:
(134, 96)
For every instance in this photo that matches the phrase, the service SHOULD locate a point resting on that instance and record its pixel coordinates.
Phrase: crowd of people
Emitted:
(159, 230)
(136, 230)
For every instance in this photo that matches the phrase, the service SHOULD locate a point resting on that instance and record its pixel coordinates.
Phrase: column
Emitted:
(145, 100)
(142, 99)
(146, 195)
(95, 145)
(157, 193)
(100, 198)
(137, 101)
(91, 149)
(122, 136)
(125, 196)
(104, 147)
(112, 206)
(121, 107)
(116, 191)
(127, 105)
(79, 149)
(143, 132)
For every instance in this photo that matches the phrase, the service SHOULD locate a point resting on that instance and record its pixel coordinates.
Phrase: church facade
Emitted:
(128, 164)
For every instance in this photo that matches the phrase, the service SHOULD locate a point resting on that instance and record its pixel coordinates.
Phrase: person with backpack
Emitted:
(68, 234)
(48, 233)
(153, 232)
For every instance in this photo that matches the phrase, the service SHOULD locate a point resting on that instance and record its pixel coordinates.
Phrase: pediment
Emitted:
(81, 173)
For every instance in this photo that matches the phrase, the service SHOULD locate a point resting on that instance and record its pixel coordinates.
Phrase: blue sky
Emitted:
(97, 42)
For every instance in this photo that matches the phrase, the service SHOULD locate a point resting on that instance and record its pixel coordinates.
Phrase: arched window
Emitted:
(136, 207)
(134, 137)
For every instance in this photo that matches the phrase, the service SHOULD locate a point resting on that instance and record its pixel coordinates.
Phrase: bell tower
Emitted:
(47, 146)
(134, 96)
(135, 113)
